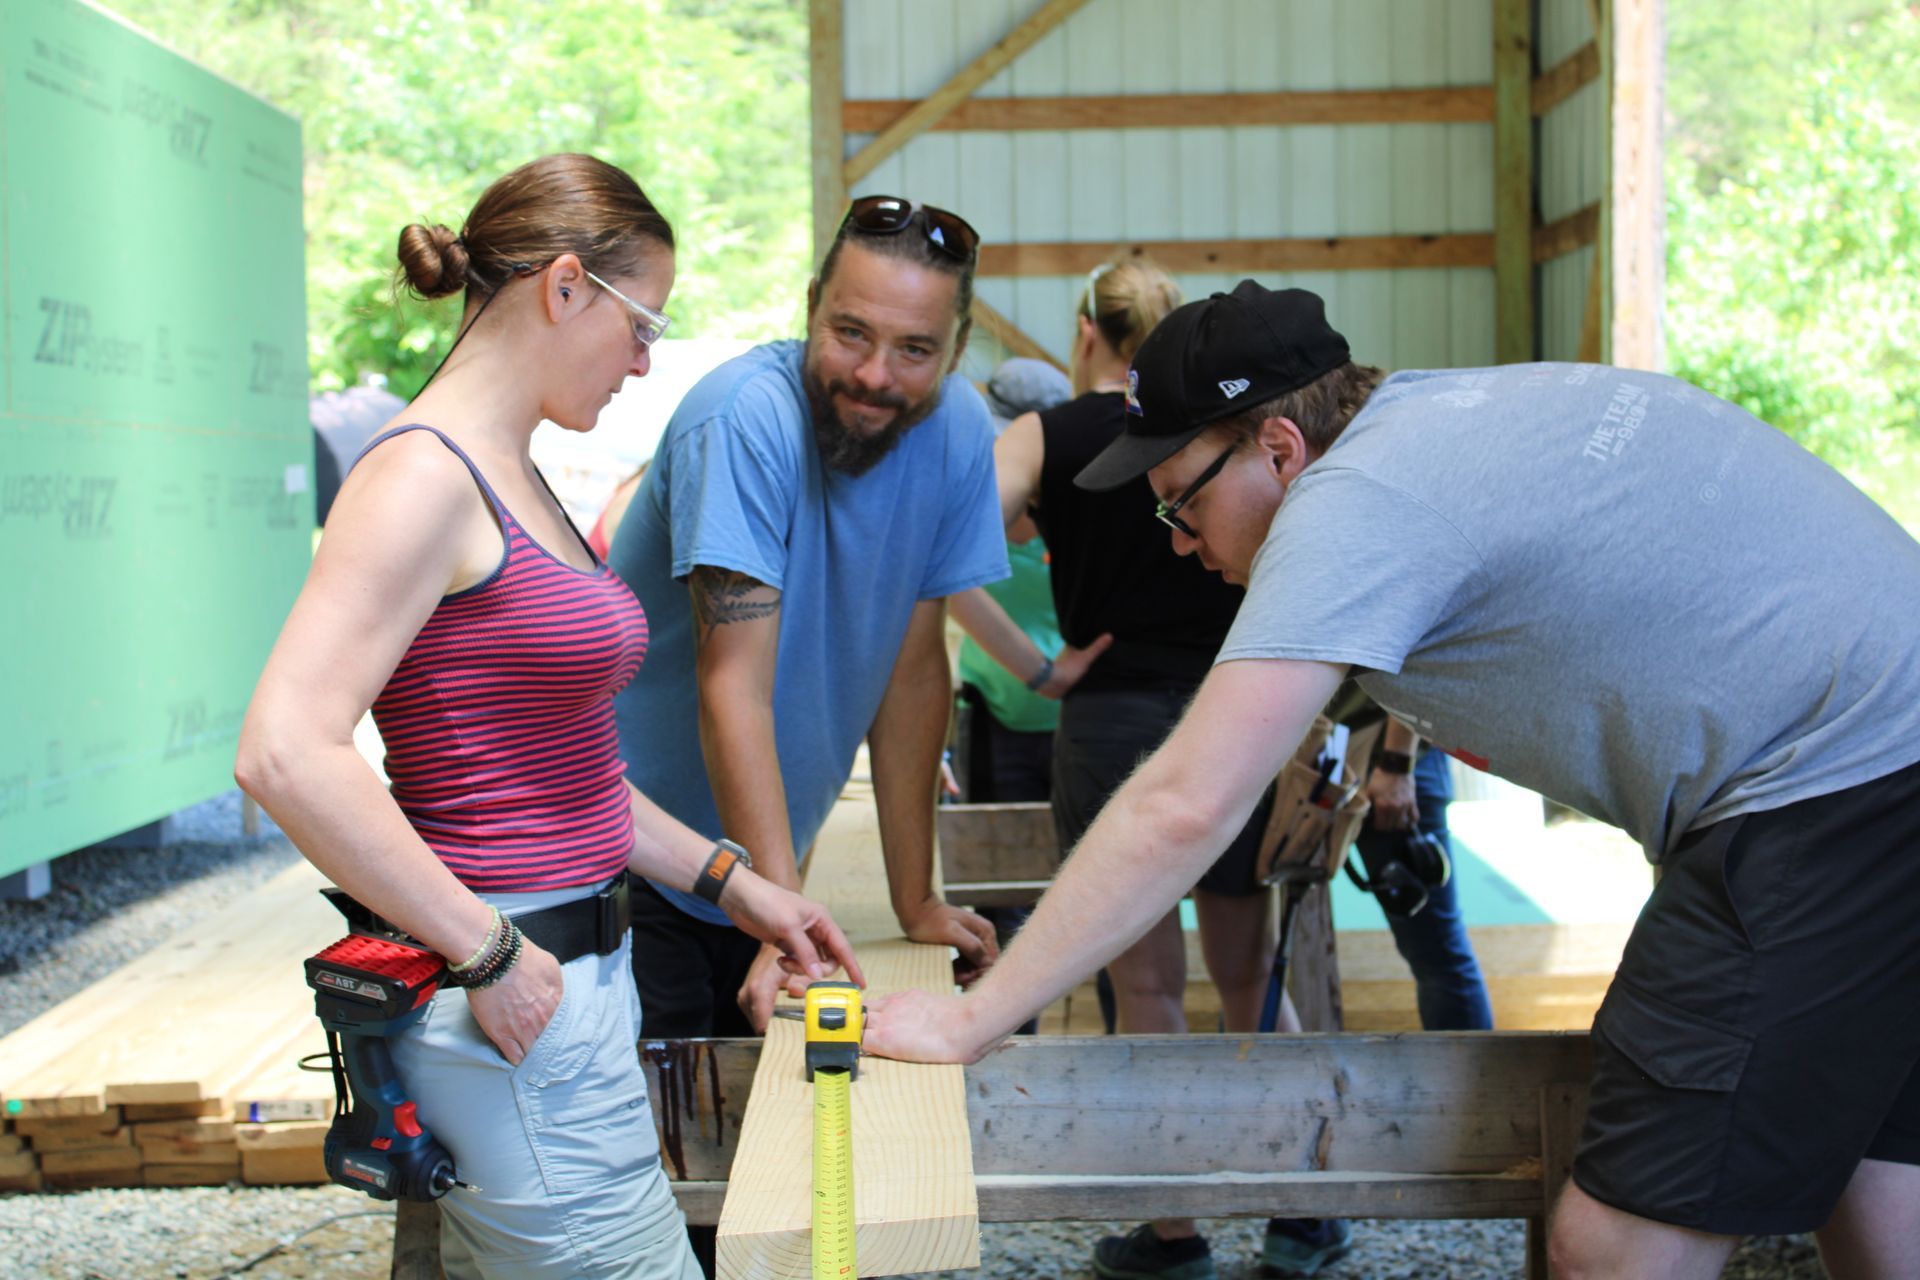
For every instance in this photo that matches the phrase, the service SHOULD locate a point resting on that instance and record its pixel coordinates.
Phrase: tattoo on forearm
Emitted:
(721, 596)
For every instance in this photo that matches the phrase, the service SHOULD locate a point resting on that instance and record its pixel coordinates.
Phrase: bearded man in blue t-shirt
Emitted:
(809, 508)
(1626, 594)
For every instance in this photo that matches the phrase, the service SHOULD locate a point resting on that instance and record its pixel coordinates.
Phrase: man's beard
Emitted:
(844, 449)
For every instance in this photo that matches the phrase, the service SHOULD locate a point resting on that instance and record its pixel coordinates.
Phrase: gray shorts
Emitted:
(562, 1146)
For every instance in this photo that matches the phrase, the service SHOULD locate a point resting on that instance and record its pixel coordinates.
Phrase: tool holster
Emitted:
(1316, 816)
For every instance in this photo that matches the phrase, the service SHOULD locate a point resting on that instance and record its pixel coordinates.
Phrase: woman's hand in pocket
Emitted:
(515, 1010)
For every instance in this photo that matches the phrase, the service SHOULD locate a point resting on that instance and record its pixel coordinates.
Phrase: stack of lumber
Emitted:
(182, 1067)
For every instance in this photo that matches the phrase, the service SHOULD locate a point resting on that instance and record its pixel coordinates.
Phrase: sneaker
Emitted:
(1301, 1246)
(1142, 1255)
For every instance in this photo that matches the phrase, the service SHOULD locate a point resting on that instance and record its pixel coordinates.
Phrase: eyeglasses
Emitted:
(950, 233)
(649, 326)
(1168, 513)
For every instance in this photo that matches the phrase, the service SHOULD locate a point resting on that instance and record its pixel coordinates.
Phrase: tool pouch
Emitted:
(1308, 839)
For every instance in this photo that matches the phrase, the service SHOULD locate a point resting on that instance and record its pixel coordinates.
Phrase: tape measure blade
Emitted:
(833, 1222)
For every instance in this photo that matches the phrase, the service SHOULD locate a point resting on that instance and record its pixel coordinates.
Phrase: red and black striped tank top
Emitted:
(498, 722)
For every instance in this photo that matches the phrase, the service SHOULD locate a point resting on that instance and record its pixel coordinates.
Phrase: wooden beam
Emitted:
(826, 54)
(1007, 1197)
(1457, 105)
(1575, 231)
(1072, 1106)
(1636, 232)
(1333, 253)
(1566, 77)
(1513, 180)
(957, 90)
(1010, 335)
(996, 842)
(1594, 337)
(914, 1203)
(1593, 327)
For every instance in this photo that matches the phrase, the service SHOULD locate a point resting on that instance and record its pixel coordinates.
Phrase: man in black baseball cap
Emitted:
(1619, 591)
(1212, 359)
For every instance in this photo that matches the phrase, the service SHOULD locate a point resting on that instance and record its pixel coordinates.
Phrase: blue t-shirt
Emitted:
(738, 484)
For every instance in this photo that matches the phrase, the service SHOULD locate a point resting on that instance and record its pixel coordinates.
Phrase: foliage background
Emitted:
(1793, 204)
(410, 107)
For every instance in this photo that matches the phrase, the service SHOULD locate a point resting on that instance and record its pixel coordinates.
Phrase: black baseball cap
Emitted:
(1208, 360)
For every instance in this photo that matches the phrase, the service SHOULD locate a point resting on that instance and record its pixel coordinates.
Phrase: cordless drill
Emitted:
(372, 984)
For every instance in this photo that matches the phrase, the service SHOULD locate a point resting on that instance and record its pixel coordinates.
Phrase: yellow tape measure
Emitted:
(834, 1020)
(832, 1176)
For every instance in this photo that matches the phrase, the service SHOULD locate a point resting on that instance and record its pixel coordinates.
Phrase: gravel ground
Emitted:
(110, 906)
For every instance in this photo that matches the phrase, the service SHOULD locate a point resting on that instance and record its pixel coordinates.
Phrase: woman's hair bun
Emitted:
(433, 260)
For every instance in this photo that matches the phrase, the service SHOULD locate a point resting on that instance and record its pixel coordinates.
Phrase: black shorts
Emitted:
(688, 971)
(1103, 736)
(1762, 1034)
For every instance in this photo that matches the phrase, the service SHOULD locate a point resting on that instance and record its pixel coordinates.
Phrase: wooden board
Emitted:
(915, 1207)
(996, 842)
(1455, 104)
(68, 1140)
(214, 1174)
(281, 1089)
(183, 1024)
(294, 1166)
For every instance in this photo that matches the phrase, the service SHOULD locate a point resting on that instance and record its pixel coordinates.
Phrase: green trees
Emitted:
(1794, 225)
(409, 107)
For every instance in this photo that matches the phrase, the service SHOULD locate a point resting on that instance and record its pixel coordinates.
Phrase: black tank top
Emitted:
(1114, 567)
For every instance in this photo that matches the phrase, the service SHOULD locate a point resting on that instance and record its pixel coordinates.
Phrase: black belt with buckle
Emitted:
(585, 926)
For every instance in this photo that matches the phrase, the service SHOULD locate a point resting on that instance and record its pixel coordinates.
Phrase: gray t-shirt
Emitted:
(1605, 585)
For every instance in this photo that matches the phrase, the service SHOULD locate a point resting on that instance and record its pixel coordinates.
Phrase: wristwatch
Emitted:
(1398, 763)
(712, 879)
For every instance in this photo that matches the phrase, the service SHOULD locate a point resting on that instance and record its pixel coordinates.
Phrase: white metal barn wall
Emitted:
(1390, 214)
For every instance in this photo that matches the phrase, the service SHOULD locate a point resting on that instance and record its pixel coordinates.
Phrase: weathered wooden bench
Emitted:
(1434, 1125)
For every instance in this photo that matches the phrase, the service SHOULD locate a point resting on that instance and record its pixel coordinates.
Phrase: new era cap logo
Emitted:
(1235, 387)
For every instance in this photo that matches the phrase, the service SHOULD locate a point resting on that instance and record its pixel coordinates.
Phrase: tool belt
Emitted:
(586, 926)
(1317, 808)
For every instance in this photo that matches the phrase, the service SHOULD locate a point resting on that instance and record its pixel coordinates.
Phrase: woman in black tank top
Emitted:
(1115, 572)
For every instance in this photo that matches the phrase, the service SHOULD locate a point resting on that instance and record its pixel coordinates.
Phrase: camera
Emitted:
(1414, 863)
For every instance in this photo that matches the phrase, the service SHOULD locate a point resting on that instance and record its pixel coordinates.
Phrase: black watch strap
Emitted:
(1399, 763)
(712, 879)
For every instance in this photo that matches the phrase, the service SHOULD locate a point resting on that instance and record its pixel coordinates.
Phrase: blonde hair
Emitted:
(1125, 297)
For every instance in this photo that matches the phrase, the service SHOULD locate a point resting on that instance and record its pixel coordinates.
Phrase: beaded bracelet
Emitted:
(486, 945)
(509, 956)
(494, 965)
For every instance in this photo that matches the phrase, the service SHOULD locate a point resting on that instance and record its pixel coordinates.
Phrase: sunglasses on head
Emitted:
(885, 215)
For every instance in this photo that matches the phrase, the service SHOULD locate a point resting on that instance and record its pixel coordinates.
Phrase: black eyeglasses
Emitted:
(885, 215)
(1168, 513)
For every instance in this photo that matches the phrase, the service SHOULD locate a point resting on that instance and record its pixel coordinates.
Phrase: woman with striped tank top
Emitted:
(452, 596)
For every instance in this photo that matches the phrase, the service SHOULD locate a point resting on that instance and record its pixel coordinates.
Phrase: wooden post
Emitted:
(1513, 179)
(1313, 972)
(826, 55)
(1594, 335)
(1563, 1109)
(1636, 228)
(416, 1241)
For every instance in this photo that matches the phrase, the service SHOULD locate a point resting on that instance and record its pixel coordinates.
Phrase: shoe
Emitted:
(1142, 1255)
(1301, 1246)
